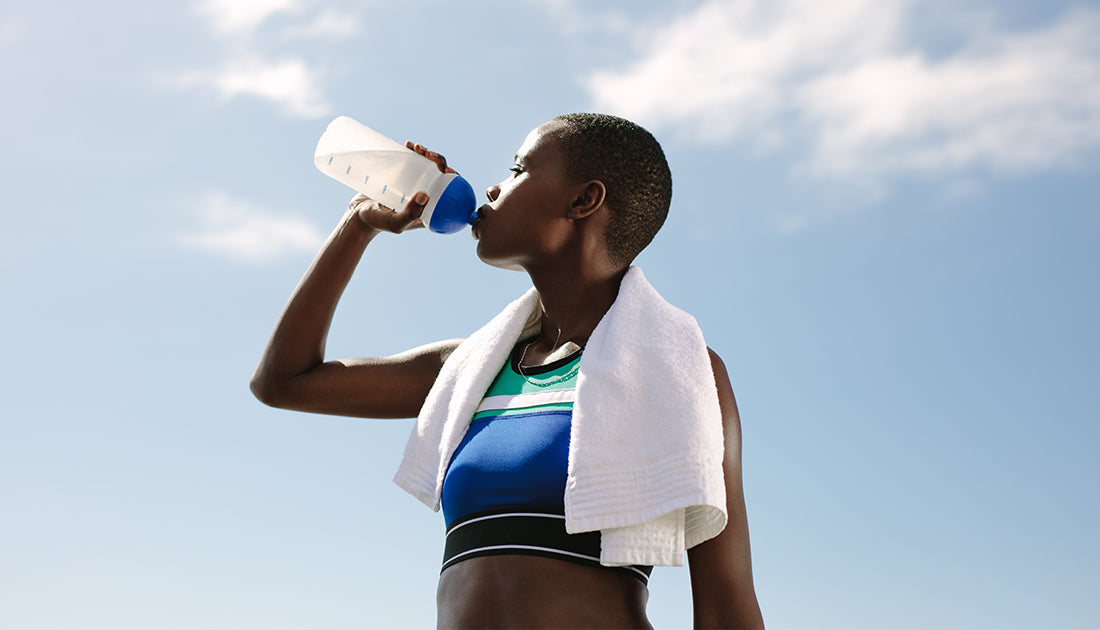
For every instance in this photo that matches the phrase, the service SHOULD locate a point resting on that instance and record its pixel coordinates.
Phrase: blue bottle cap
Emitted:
(456, 208)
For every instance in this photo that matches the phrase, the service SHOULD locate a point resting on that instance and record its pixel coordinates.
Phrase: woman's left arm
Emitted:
(722, 591)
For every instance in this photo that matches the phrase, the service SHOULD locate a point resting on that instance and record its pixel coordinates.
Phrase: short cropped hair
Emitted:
(630, 163)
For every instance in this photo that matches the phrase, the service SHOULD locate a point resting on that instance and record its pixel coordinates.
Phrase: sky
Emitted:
(885, 218)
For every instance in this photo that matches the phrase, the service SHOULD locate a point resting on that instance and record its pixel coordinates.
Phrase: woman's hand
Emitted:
(378, 217)
(439, 160)
(382, 219)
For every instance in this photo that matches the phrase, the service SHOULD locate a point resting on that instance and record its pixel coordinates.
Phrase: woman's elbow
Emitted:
(267, 390)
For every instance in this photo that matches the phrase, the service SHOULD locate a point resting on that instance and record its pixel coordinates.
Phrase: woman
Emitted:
(587, 193)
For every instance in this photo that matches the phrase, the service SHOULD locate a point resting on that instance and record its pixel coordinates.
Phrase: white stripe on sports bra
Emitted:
(519, 401)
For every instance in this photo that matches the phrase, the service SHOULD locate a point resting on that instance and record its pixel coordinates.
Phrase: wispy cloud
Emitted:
(844, 77)
(726, 68)
(244, 29)
(327, 25)
(291, 83)
(236, 17)
(235, 228)
(1010, 102)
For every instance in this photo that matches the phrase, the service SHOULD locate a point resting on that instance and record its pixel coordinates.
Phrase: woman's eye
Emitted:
(516, 170)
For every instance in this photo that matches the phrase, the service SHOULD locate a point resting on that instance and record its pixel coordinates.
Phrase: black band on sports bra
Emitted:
(526, 533)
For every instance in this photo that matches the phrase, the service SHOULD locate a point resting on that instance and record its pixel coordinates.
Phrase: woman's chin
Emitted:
(510, 265)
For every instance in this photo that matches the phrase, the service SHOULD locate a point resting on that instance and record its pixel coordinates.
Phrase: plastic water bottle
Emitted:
(389, 173)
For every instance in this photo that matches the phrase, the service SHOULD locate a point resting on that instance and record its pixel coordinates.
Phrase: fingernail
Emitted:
(421, 198)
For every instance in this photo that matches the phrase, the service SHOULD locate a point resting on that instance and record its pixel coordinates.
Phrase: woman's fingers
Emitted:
(377, 216)
(439, 160)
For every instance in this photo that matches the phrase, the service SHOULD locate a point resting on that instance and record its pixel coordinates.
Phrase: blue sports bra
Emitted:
(516, 450)
(504, 490)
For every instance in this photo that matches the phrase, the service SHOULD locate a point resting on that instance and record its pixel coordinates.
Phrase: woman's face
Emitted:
(526, 211)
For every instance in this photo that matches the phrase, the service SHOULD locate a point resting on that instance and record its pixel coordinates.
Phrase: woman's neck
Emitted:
(573, 305)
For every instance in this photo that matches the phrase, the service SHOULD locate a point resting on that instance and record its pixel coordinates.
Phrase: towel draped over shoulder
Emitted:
(646, 443)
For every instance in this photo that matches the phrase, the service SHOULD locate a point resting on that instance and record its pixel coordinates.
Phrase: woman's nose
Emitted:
(493, 192)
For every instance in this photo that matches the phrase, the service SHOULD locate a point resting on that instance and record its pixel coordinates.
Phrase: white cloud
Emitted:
(841, 76)
(724, 70)
(235, 17)
(327, 25)
(238, 229)
(291, 83)
(1014, 103)
(289, 80)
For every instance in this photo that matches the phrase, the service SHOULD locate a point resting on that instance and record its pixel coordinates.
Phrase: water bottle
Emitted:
(389, 173)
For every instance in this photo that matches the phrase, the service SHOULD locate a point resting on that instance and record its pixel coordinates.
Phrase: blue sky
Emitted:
(885, 218)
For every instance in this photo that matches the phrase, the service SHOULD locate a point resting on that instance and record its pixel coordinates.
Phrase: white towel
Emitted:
(646, 444)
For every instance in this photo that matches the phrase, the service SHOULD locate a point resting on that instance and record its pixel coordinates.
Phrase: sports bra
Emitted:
(504, 490)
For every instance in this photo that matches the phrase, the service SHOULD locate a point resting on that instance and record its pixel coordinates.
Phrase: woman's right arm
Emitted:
(293, 373)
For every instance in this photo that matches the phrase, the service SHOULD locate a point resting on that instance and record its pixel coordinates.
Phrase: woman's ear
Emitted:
(588, 200)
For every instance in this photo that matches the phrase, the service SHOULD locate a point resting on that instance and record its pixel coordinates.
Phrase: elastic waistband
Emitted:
(526, 533)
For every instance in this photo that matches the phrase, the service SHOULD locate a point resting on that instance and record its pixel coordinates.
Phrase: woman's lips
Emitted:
(475, 229)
